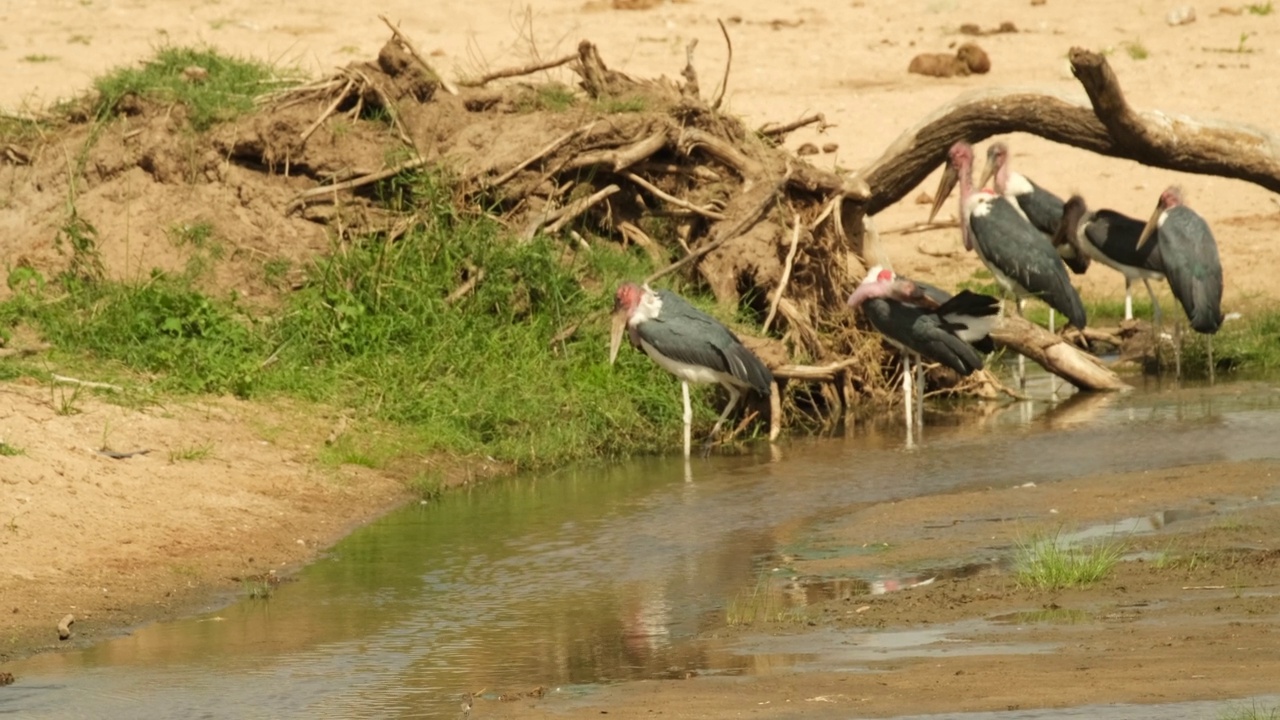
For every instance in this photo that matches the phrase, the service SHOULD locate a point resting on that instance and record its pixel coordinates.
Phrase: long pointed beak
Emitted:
(1150, 228)
(988, 171)
(949, 178)
(615, 336)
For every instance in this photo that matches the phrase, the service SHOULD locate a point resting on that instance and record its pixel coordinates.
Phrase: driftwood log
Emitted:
(1107, 126)
(1068, 362)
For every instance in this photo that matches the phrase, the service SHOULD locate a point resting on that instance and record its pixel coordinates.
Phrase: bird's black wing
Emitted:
(1192, 266)
(1026, 256)
(1116, 236)
(923, 333)
(685, 333)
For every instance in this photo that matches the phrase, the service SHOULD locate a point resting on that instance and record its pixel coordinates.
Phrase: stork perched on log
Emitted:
(928, 323)
(1042, 208)
(1111, 238)
(1191, 264)
(689, 344)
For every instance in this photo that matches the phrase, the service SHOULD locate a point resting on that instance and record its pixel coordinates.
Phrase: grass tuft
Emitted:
(7, 450)
(761, 604)
(516, 369)
(1137, 50)
(1262, 9)
(191, 452)
(1045, 563)
(1253, 711)
(226, 88)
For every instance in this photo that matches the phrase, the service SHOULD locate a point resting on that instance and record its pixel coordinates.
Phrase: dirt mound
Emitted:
(615, 163)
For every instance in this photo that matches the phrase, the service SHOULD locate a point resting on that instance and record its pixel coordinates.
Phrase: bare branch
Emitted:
(1076, 367)
(1153, 138)
(301, 198)
(672, 198)
(408, 45)
(623, 157)
(771, 130)
(474, 276)
(518, 71)
(333, 106)
(786, 274)
(551, 147)
(724, 83)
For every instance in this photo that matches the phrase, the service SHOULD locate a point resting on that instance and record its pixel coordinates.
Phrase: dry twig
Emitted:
(518, 71)
(724, 83)
(786, 274)
(408, 45)
(783, 129)
(673, 199)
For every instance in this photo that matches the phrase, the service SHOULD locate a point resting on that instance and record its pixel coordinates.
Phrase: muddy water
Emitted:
(600, 574)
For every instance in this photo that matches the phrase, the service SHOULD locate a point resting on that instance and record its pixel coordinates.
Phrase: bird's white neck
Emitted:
(649, 307)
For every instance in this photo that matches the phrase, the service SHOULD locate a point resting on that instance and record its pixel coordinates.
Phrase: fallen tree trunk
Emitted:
(1055, 355)
(1108, 126)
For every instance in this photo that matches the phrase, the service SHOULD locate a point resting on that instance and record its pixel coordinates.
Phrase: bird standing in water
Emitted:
(689, 344)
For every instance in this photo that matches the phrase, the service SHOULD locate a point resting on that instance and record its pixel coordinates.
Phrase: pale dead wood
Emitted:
(323, 190)
(331, 109)
(412, 50)
(723, 233)
(1108, 126)
(551, 147)
(1066, 361)
(529, 69)
(700, 172)
(633, 233)
(772, 130)
(561, 216)
(624, 157)
(693, 138)
(1096, 335)
(672, 199)
(64, 626)
(391, 109)
(786, 275)
(64, 380)
(474, 276)
(823, 373)
(728, 62)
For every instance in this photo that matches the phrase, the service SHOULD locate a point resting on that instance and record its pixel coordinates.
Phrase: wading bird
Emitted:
(1042, 208)
(1111, 238)
(927, 323)
(1019, 256)
(689, 344)
(1191, 265)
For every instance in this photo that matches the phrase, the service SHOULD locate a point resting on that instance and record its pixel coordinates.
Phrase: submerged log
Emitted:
(1057, 356)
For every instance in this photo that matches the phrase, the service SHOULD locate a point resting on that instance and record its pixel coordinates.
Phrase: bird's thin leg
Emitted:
(908, 396)
(734, 395)
(1210, 341)
(1018, 303)
(1052, 319)
(1128, 296)
(1177, 350)
(688, 417)
(1155, 304)
(919, 367)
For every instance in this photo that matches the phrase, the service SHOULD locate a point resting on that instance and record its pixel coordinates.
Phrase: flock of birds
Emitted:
(1025, 235)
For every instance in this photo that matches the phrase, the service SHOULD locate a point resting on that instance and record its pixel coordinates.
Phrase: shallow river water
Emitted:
(598, 574)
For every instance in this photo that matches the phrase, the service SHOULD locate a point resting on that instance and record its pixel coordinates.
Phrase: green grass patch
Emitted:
(1252, 711)
(7, 450)
(38, 58)
(551, 97)
(493, 373)
(762, 603)
(228, 89)
(1045, 563)
(1262, 9)
(187, 453)
(1249, 344)
(1136, 50)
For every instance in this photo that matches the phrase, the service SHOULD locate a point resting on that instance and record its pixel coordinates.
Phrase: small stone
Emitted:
(807, 149)
(1181, 16)
(830, 147)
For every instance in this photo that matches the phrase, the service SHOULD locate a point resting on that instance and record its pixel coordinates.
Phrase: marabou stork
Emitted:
(928, 323)
(1021, 259)
(1111, 238)
(1190, 257)
(689, 344)
(1042, 208)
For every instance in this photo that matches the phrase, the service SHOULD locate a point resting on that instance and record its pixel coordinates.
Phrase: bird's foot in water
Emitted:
(707, 446)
